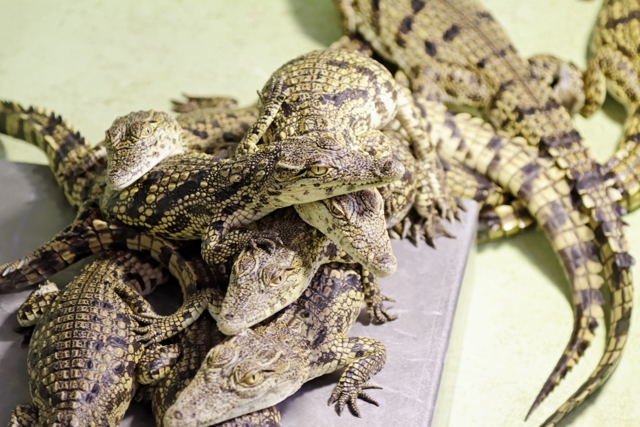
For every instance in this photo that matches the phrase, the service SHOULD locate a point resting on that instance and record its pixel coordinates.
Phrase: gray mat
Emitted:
(426, 287)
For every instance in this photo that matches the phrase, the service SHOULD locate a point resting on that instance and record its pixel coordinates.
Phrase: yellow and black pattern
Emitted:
(85, 351)
(455, 50)
(193, 195)
(260, 367)
(615, 66)
(195, 342)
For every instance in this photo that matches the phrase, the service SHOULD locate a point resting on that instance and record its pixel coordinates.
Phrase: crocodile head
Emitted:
(263, 281)
(137, 142)
(245, 373)
(312, 171)
(356, 223)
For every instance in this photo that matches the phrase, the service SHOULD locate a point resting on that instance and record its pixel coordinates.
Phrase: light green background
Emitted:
(93, 60)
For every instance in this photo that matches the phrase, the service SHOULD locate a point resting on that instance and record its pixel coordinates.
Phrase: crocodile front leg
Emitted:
(219, 244)
(375, 299)
(363, 357)
(271, 105)
(167, 326)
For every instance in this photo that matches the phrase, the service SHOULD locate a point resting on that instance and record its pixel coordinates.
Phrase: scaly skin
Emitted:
(455, 49)
(547, 195)
(74, 164)
(193, 196)
(500, 214)
(265, 281)
(264, 365)
(86, 354)
(76, 241)
(194, 343)
(615, 66)
(344, 97)
(79, 169)
(92, 236)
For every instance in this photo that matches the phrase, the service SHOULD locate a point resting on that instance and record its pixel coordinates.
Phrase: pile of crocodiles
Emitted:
(275, 218)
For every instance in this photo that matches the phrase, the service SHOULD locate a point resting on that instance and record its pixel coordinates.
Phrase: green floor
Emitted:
(92, 61)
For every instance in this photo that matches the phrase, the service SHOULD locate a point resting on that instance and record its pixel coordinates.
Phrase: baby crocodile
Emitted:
(260, 367)
(192, 195)
(455, 49)
(194, 344)
(86, 355)
(209, 130)
(615, 66)
(343, 97)
(543, 189)
(264, 281)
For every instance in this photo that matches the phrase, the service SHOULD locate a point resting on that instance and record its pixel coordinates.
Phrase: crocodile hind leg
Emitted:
(432, 188)
(564, 77)
(271, 103)
(363, 357)
(499, 222)
(24, 416)
(609, 65)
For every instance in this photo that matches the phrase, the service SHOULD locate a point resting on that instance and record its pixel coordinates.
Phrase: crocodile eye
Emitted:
(277, 280)
(248, 377)
(319, 170)
(252, 378)
(146, 131)
(337, 211)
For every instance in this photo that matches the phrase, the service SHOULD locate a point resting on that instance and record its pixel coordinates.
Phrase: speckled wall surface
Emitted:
(92, 61)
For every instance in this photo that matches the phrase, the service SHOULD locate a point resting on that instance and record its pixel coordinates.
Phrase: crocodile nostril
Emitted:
(228, 316)
(384, 259)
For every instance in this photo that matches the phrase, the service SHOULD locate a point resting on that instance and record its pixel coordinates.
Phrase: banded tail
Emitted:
(617, 275)
(72, 162)
(89, 235)
(583, 252)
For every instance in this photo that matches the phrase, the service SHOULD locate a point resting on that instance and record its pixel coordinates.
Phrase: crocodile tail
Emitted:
(89, 235)
(581, 337)
(616, 261)
(72, 162)
(617, 273)
(574, 243)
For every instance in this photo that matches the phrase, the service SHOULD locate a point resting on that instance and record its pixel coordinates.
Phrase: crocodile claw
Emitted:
(348, 395)
(377, 310)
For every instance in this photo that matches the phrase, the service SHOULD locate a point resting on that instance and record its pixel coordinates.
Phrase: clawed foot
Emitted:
(377, 310)
(348, 394)
(148, 335)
